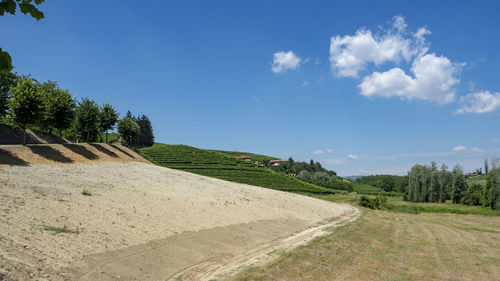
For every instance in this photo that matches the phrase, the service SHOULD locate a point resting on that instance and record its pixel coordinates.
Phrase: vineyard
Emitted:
(222, 165)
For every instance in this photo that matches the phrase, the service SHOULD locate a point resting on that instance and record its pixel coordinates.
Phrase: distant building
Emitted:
(299, 162)
(244, 157)
(472, 175)
(277, 162)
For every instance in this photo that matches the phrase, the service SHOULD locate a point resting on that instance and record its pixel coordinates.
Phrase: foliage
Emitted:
(146, 137)
(386, 182)
(372, 203)
(473, 196)
(60, 107)
(495, 189)
(255, 157)
(129, 130)
(7, 81)
(108, 118)
(458, 185)
(25, 104)
(10, 6)
(88, 118)
(223, 166)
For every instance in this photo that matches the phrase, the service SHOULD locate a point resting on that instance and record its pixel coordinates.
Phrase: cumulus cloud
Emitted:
(459, 148)
(351, 54)
(433, 80)
(353, 157)
(480, 102)
(329, 150)
(282, 61)
(475, 149)
(318, 151)
(304, 83)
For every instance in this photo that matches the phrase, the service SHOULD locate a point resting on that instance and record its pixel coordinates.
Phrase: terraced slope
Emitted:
(223, 166)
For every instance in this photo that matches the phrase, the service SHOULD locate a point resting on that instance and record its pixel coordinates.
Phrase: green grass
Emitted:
(112, 137)
(481, 180)
(58, 230)
(86, 192)
(371, 190)
(223, 165)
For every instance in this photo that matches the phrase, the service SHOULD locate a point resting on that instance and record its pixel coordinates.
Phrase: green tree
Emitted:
(7, 81)
(25, 104)
(109, 117)
(129, 130)
(88, 117)
(486, 166)
(458, 184)
(495, 189)
(146, 137)
(486, 192)
(60, 107)
(10, 6)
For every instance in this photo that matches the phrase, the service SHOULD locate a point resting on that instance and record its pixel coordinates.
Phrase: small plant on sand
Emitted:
(86, 193)
(58, 230)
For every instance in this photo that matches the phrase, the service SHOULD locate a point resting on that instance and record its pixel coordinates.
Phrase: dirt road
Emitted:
(144, 222)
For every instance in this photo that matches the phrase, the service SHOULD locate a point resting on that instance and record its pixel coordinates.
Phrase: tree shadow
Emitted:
(103, 149)
(122, 151)
(6, 157)
(82, 150)
(49, 153)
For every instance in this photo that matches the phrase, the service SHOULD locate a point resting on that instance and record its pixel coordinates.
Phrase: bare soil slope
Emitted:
(142, 222)
(10, 135)
(68, 153)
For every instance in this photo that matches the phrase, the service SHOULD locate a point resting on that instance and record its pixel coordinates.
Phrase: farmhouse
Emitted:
(244, 157)
(277, 162)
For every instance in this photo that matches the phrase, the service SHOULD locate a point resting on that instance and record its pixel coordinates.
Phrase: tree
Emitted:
(87, 116)
(109, 117)
(25, 104)
(60, 107)
(458, 184)
(486, 166)
(146, 137)
(304, 175)
(129, 130)
(10, 6)
(495, 189)
(7, 81)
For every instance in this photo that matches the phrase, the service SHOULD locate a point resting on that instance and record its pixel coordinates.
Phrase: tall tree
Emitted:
(129, 130)
(109, 117)
(458, 184)
(25, 104)
(486, 166)
(443, 183)
(495, 189)
(88, 117)
(10, 6)
(146, 137)
(60, 107)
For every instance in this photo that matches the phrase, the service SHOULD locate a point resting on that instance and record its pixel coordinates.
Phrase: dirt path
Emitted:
(207, 254)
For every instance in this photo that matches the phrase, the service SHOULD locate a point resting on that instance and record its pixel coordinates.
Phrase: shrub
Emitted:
(372, 203)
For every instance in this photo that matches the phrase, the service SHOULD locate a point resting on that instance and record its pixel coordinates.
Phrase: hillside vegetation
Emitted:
(223, 166)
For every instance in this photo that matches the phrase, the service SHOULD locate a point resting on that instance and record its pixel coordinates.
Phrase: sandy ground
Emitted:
(144, 222)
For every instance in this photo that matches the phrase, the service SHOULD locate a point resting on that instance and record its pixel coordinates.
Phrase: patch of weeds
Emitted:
(58, 230)
(62, 200)
(86, 192)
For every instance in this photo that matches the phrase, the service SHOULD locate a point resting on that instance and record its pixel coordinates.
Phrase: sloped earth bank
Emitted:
(144, 222)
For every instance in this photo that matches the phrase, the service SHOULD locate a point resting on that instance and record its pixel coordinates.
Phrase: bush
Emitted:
(372, 203)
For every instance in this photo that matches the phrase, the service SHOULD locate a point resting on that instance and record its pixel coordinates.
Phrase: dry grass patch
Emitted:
(395, 246)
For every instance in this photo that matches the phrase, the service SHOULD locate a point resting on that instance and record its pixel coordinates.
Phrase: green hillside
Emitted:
(222, 165)
(255, 157)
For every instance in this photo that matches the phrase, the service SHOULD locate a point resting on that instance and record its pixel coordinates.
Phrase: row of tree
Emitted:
(28, 104)
(386, 182)
(433, 184)
(314, 173)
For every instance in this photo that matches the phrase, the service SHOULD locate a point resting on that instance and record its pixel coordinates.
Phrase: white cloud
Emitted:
(434, 80)
(475, 149)
(283, 61)
(305, 83)
(353, 157)
(329, 150)
(459, 148)
(318, 151)
(480, 102)
(350, 54)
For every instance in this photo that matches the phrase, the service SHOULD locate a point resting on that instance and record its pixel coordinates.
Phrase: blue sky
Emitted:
(362, 86)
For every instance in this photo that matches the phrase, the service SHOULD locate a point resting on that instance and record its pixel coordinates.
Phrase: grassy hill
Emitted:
(255, 157)
(223, 165)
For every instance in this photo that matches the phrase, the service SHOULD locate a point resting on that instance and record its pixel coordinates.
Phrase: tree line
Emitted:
(314, 173)
(28, 104)
(386, 182)
(433, 184)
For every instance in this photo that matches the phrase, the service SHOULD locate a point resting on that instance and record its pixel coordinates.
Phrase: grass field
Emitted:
(224, 166)
(394, 246)
(371, 190)
(255, 157)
